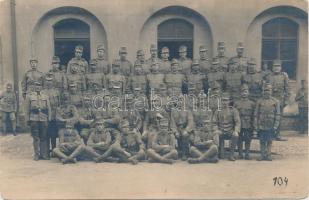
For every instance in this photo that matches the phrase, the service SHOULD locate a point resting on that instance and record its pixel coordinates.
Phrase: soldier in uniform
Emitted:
(115, 81)
(184, 62)
(95, 76)
(203, 60)
(162, 144)
(8, 108)
(138, 81)
(196, 80)
(54, 99)
(214, 97)
(38, 114)
(204, 141)
(164, 63)
(86, 118)
(66, 113)
(70, 145)
(102, 64)
(222, 59)
(302, 100)
(59, 78)
(75, 97)
(215, 75)
(140, 59)
(265, 70)
(280, 89)
(153, 56)
(78, 62)
(246, 111)
(175, 79)
(31, 76)
(155, 80)
(254, 80)
(240, 60)
(126, 67)
(77, 78)
(227, 124)
(233, 80)
(266, 121)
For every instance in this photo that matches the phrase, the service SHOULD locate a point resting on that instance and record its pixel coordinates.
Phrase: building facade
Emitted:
(268, 29)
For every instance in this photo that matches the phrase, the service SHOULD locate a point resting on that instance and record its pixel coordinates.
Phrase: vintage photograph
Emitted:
(154, 99)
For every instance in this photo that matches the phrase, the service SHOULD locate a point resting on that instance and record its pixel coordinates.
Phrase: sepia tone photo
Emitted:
(153, 99)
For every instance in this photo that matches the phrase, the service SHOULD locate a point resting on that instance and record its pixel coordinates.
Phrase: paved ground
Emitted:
(21, 177)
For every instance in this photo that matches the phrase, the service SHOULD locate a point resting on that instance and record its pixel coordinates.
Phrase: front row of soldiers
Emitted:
(196, 135)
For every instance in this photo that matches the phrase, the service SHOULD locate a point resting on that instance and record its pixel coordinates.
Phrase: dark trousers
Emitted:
(52, 132)
(303, 119)
(266, 138)
(40, 138)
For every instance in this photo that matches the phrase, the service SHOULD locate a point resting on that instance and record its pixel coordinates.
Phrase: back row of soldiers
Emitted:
(68, 97)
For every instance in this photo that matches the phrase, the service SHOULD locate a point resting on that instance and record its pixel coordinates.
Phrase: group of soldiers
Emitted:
(221, 99)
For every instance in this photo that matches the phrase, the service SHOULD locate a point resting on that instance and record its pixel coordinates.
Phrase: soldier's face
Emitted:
(251, 68)
(214, 67)
(38, 88)
(123, 55)
(153, 53)
(225, 103)
(73, 89)
(195, 68)
(203, 54)
(183, 54)
(87, 102)
(141, 57)
(138, 69)
(116, 69)
(221, 51)
(93, 68)
(277, 68)
(233, 68)
(100, 127)
(101, 53)
(155, 68)
(33, 65)
(56, 66)
(240, 51)
(175, 68)
(244, 93)
(165, 55)
(78, 53)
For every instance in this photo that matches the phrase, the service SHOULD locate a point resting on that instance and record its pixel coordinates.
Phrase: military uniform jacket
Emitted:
(246, 109)
(86, 116)
(67, 113)
(60, 80)
(54, 99)
(80, 64)
(155, 81)
(185, 64)
(223, 63)
(8, 102)
(165, 66)
(79, 79)
(29, 79)
(242, 63)
(151, 119)
(134, 118)
(116, 81)
(227, 120)
(163, 137)
(132, 142)
(267, 114)
(255, 83)
(202, 134)
(76, 100)
(138, 82)
(182, 120)
(215, 76)
(196, 82)
(214, 100)
(280, 85)
(126, 67)
(97, 78)
(302, 98)
(174, 82)
(70, 136)
(204, 65)
(38, 107)
(103, 66)
(95, 137)
(233, 81)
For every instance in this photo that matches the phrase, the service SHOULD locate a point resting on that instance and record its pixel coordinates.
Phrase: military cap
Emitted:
(195, 62)
(165, 49)
(55, 59)
(252, 61)
(221, 45)
(267, 86)
(174, 61)
(203, 48)
(79, 47)
(225, 96)
(240, 45)
(123, 50)
(100, 47)
(33, 60)
(277, 63)
(215, 61)
(182, 48)
(153, 47)
(37, 83)
(48, 78)
(140, 52)
(244, 87)
(93, 62)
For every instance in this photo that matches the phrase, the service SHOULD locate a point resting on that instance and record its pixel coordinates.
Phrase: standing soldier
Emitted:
(75, 97)
(54, 99)
(162, 146)
(115, 81)
(138, 81)
(214, 97)
(155, 80)
(8, 108)
(265, 70)
(302, 100)
(222, 59)
(59, 78)
(240, 60)
(102, 64)
(70, 144)
(175, 79)
(164, 63)
(153, 56)
(215, 75)
(31, 76)
(77, 78)
(38, 114)
(184, 62)
(233, 80)
(86, 118)
(266, 121)
(203, 60)
(196, 80)
(95, 76)
(78, 62)
(140, 59)
(246, 111)
(280, 89)
(227, 124)
(254, 80)
(126, 67)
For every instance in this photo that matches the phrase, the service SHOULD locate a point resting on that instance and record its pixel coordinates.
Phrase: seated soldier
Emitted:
(70, 144)
(162, 147)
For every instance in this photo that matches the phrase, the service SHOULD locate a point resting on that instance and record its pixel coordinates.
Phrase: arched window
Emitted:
(280, 41)
(173, 33)
(69, 33)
